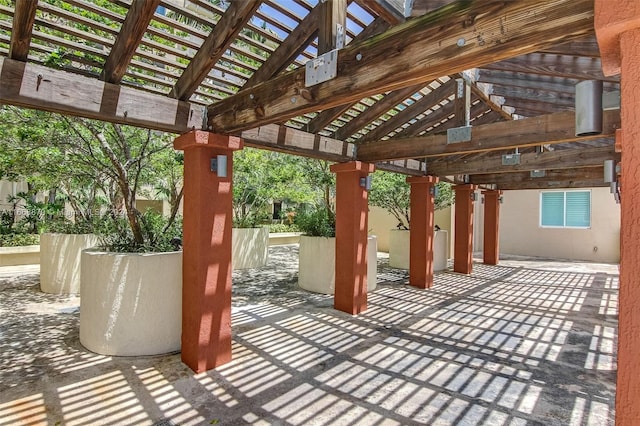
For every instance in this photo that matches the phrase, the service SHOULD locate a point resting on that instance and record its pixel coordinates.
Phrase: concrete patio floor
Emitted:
(525, 342)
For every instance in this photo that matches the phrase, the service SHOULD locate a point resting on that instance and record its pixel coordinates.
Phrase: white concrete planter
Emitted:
(250, 247)
(131, 304)
(19, 255)
(60, 261)
(317, 268)
(399, 243)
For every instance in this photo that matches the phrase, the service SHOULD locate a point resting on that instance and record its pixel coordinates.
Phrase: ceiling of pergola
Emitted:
(216, 55)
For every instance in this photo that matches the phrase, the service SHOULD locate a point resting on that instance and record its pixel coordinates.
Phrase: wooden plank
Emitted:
(214, 47)
(420, 7)
(545, 129)
(553, 185)
(326, 117)
(23, 19)
(554, 65)
(547, 160)
(462, 103)
(490, 117)
(288, 50)
(460, 36)
(533, 95)
(39, 87)
(587, 46)
(129, 37)
(529, 108)
(528, 81)
(586, 173)
(423, 104)
(382, 9)
(333, 13)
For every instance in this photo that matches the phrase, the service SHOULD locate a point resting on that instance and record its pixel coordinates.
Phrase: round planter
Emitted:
(60, 261)
(317, 265)
(131, 304)
(399, 246)
(250, 247)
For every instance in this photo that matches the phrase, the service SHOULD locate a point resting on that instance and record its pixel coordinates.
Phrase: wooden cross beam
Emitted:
(214, 46)
(591, 183)
(562, 175)
(129, 37)
(459, 36)
(22, 27)
(547, 160)
(544, 129)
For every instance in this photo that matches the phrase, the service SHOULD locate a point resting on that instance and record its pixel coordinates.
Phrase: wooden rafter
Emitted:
(333, 14)
(23, 19)
(586, 173)
(532, 95)
(383, 9)
(129, 37)
(554, 66)
(379, 108)
(546, 129)
(487, 118)
(547, 160)
(432, 43)
(289, 49)
(423, 104)
(326, 117)
(591, 183)
(214, 47)
(587, 46)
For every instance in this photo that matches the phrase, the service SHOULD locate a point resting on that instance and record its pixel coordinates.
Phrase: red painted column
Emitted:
(421, 230)
(491, 249)
(617, 24)
(352, 212)
(206, 256)
(463, 241)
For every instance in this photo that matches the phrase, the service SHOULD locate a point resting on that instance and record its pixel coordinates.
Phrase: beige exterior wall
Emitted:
(521, 234)
(381, 222)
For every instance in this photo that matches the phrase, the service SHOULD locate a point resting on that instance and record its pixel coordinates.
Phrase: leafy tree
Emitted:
(390, 191)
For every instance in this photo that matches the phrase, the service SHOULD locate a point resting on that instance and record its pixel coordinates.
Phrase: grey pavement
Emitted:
(528, 342)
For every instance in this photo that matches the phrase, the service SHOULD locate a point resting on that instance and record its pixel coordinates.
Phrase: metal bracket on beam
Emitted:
(321, 69)
(340, 36)
(459, 134)
(537, 173)
(511, 159)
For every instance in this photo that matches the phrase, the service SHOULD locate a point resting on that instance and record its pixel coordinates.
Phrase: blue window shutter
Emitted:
(578, 213)
(552, 209)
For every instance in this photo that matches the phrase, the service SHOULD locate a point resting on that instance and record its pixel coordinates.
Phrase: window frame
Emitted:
(564, 209)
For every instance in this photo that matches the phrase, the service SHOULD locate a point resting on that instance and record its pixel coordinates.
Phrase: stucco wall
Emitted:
(382, 222)
(521, 234)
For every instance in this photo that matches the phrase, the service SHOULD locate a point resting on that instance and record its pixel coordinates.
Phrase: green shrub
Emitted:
(283, 227)
(159, 236)
(318, 222)
(15, 240)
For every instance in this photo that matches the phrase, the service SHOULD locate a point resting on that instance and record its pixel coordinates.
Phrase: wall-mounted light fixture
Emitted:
(474, 196)
(588, 105)
(434, 190)
(365, 182)
(609, 171)
(219, 165)
(500, 200)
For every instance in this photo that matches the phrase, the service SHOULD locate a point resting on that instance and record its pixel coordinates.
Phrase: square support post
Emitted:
(491, 248)
(463, 242)
(206, 256)
(421, 232)
(617, 25)
(352, 212)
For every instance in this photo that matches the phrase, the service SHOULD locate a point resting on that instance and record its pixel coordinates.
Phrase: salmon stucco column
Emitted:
(352, 212)
(421, 232)
(206, 255)
(617, 24)
(463, 240)
(491, 247)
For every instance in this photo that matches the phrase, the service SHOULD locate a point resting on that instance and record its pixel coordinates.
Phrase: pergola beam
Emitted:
(562, 175)
(547, 160)
(214, 46)
(292, 46)
(383, 9)
(456, 37)
(129, 37)
(518, 186)
(544, 129)
(22, 27)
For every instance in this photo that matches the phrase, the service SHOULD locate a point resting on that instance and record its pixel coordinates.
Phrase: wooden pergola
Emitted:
(386, 84)
(507, 69)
